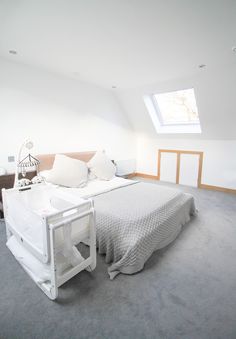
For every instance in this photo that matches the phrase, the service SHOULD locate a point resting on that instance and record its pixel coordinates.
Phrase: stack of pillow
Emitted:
(71, 172)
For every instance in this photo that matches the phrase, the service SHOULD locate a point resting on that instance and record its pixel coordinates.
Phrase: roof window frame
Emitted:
(161, 127)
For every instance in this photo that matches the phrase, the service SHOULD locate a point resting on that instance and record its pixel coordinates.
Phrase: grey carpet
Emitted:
(187, 290)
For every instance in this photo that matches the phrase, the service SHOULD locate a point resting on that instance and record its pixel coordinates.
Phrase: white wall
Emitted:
(219, 160)
(215, 94)
(59, 114)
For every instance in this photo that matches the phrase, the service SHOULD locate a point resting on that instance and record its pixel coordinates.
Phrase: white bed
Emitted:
(132, 219)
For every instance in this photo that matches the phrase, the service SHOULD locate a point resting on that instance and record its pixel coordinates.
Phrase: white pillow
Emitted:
(91, 176)
(45, 174)
(68, 172)
(101, 166)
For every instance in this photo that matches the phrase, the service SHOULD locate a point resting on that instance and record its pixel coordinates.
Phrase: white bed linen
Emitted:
(96, 187)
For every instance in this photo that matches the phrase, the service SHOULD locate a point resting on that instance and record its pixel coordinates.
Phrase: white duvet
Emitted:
(96, 187)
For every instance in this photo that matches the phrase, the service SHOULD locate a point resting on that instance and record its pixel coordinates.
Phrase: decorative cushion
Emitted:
(101, 166)
(68, 172)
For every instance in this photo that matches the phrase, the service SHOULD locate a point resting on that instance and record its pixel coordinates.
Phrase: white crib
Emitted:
(43, 225)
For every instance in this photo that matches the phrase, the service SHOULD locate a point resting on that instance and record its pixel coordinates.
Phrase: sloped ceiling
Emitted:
(215, 91)
(139, 46)
(126, 43)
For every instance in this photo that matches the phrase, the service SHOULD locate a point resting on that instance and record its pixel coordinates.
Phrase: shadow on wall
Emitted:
(51, 90)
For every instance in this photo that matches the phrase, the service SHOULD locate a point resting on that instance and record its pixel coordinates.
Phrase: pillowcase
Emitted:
(101, 166)
(91, 176)
(68, 172)
(45, 174)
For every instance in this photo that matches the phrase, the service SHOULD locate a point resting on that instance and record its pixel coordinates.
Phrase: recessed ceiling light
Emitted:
(202, 66)
(12, 51)
(234, 49)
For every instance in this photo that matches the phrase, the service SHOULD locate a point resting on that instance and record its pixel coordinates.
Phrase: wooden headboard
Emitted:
(46, 160)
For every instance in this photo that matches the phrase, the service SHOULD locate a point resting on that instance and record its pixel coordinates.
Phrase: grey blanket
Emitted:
(134, 221)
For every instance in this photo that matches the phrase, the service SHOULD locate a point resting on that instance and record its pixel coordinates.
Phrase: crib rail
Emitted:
(51, 223)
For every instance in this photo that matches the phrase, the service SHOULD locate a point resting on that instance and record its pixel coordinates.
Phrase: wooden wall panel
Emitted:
(191, 164)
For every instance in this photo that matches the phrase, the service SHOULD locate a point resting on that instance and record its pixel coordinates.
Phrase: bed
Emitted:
(133, 219)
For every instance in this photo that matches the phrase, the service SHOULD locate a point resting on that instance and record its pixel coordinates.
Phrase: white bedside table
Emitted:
(125, 168)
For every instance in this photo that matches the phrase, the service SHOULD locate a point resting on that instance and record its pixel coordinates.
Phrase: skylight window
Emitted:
(174, 112)
(177, 107)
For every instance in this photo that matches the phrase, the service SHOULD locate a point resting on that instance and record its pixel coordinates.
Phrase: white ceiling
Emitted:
(127, 43)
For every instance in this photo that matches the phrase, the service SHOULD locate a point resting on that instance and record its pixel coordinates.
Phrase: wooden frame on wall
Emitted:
(179, 152)
(200, 166)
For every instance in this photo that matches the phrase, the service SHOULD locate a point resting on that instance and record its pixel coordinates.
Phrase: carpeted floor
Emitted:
(187, 290)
